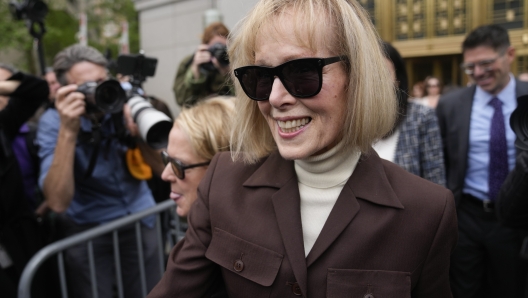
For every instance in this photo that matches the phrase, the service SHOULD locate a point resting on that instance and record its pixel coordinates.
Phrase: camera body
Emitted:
(219, 51)
(106, 97)
(33, 10)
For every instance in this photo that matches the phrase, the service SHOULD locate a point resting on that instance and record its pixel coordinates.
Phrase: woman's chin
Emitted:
(181, 212)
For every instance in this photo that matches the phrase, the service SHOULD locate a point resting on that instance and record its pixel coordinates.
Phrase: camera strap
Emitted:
(96, 141)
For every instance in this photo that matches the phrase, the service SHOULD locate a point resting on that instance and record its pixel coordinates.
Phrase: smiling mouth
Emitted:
(293, 125)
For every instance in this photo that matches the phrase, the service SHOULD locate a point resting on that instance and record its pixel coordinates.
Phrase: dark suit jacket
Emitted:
(454, 113)
(512, 206)
(390, 234)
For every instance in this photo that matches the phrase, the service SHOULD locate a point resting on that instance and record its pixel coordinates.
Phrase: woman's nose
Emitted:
(168, 174)
(279, 96)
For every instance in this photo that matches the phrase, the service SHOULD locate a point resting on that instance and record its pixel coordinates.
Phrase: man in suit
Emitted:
(479, 151)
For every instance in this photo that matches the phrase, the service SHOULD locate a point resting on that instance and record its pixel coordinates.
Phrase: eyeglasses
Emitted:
(301, 77)
(177, 166)
(430, 86)
(486, 65)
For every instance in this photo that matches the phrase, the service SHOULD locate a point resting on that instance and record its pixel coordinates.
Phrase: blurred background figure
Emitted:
(523, 77)
(433, 90)
(53, 84)
(418, 90)
(414, 143)
(198, 134)
(206, 71)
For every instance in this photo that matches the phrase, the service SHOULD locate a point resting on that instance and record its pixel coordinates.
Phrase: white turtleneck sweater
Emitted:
(321, 179)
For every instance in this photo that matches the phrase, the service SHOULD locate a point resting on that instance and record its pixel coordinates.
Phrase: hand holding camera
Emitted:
(71, 106)
(208, 58)
(98, 99)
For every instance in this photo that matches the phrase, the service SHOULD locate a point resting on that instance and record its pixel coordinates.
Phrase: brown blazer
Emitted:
(390, 234)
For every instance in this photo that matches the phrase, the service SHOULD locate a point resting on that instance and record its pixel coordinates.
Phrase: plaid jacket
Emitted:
(419, 148)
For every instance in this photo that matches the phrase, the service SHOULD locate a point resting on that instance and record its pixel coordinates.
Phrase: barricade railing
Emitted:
(57, 248)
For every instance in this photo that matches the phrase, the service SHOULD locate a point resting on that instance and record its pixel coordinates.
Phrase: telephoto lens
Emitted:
(154, 126)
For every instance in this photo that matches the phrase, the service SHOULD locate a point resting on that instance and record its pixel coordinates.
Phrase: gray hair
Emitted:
(9, 68)
(72, 55)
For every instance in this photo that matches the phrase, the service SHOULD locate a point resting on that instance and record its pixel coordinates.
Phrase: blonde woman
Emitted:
(303, 206)
(198, 134)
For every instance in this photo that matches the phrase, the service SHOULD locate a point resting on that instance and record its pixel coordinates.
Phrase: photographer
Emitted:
(206, 71)
(85, 177)
(513, 197)
(512, 204)
(512, 207)
(19, 232)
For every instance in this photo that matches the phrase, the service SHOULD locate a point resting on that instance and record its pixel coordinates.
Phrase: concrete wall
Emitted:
(171, 30)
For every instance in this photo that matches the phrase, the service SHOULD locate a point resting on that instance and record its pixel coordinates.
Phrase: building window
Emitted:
(522, 64)
(508, 13)
(450, 17)
(410, 19)
(371, 9)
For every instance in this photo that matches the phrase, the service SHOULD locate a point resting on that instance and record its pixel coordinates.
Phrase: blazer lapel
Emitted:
(368, 182)
(287, 204)
(462, 115)
(279, 173)
(345, 208)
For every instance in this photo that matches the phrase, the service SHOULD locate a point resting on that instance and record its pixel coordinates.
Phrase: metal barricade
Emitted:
(174, 234)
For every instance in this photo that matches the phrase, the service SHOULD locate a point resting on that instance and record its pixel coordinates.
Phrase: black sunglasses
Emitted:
(301, 77)
(177, 166)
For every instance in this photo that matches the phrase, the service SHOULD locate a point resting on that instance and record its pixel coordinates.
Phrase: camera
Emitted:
(106, 97)
(154, 126)
(519, 123)
(33, 10)
(219, 51)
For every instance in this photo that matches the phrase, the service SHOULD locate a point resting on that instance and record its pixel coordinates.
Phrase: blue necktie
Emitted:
(498, 165)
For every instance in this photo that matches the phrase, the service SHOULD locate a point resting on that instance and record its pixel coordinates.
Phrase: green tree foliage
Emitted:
(112, 11)
(13, 34)
(61, 32)
(62, 26)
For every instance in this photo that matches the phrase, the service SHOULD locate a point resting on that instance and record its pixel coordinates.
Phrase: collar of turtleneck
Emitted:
(329, 169)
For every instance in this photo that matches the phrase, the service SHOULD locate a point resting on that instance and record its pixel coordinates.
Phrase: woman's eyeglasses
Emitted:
(301, 77)
(177, 166)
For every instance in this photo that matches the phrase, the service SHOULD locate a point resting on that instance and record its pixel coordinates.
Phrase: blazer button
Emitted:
(368, 296)
(296, 289)
(238, 266)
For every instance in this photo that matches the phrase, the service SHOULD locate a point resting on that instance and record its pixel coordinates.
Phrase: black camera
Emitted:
(106, 97)
(519, 123)
(33, 10)
(219, 51)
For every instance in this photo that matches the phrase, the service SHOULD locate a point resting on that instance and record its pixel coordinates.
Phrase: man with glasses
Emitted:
(479, 152)
(84, 177)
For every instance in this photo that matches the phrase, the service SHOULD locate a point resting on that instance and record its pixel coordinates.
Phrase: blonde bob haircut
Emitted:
(208, 125)
(371, 105)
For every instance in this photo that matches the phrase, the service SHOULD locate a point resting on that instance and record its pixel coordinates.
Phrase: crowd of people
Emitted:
(303, 164)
